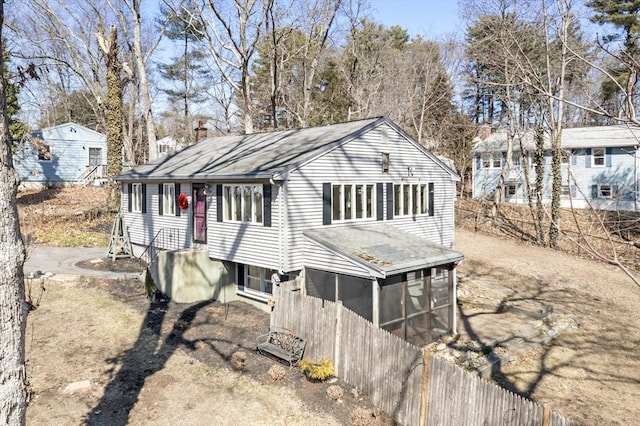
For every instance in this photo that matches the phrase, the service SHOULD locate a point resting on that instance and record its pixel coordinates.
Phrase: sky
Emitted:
(429, 18)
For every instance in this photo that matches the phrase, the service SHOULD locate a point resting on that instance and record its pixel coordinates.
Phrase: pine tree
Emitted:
(625, 17)
(186, 72)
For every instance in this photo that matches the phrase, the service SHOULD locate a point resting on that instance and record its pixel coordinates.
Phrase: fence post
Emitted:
(546, 416)
(338, 334)
(425, 383)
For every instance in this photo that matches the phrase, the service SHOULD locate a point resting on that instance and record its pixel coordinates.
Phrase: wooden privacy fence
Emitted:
(392, 373)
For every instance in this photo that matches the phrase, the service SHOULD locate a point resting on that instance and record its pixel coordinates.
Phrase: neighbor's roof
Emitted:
(258, 155)
(620, 135)
(383, 248)
(67, 131)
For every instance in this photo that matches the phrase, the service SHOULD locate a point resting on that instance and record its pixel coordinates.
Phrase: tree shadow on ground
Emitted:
(571, 355)
(37, 197)
(148, 356)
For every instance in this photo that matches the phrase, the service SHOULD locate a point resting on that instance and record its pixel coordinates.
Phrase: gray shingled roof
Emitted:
(620, 135)
(257, 155)
(383, 248)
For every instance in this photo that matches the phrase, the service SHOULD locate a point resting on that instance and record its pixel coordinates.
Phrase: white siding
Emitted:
(318, 257)
(359, 161)
(144, 227)
(248, 243)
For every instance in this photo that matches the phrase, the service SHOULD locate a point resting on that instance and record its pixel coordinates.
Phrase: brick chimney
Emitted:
(484, 131)
(201, 131)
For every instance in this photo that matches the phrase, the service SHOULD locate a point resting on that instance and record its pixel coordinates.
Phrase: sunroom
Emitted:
(400, 282)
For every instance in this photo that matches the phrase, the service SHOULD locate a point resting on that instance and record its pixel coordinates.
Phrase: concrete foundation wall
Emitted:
(189, 275)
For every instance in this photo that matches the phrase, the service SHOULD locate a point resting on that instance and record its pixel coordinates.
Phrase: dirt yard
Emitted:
(589, 372)
(164, 363)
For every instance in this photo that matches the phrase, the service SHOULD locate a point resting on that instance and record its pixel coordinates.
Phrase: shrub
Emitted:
(320, 371)
(335, 392)
(277, 373)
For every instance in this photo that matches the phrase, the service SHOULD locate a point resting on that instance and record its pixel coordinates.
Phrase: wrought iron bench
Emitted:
(282, 345)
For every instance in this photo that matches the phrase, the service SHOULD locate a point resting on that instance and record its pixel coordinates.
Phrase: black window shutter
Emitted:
(240, 275)
(379, 201)
(326, 203)
(431, 199)
(608, 157)
(160, 200)
(588, 160)
(594, 191)
(176, 194)
(478, 162)
(129, 191)
(389, 200)
(144, 198)
(266, 199)
(219, 210)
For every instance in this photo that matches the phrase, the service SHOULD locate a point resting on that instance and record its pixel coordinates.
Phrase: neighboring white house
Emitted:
(166, 146)
(360, 209)
(603, 162)
(68, 154)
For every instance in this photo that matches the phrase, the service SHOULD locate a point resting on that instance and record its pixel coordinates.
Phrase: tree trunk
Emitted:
(13, 314)
(144, 84)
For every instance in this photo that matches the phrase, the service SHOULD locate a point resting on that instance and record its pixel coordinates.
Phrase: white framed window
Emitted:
(243, 203)
(492, 160)
(605, 191)
(510, 190)
(410, 199)
(168, 199)
(352, 201)
(565, 191)
(136, 197)
(257, 280)
(598, 157)
(565, 156)
(516, 159)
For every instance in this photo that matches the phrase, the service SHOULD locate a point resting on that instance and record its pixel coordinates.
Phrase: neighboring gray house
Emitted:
(604, 163)
(359, 211)
(68, 154)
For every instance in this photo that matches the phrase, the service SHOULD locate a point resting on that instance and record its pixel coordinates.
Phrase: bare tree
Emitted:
(13, 313)
(231, 33)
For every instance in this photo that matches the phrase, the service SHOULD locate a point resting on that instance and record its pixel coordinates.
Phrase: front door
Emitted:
(199, 213)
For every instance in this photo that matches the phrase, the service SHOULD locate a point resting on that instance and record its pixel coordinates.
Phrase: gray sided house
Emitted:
(358, 212)
(68, 154)
(603, 163)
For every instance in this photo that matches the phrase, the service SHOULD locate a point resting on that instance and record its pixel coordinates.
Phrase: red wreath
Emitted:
(183, 202)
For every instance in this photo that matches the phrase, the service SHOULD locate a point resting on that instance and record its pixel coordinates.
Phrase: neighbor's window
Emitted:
(496, 160)
(95, 156)
(352, 201)
(516, 159)
(44, 151)
(565, 155)
(492, 160)
(136, 198)
(598, 156)
(605, 191)
(510, 190)
(169, 199)
(243, 203)
(565, 191)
